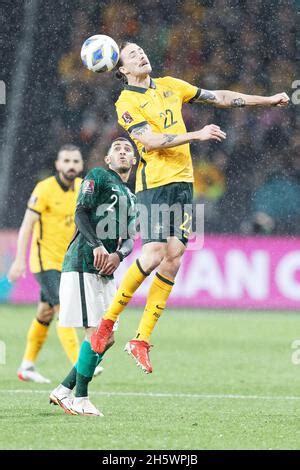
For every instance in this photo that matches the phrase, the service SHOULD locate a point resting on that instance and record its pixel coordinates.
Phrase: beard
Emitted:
(69, 176)
(123, 169)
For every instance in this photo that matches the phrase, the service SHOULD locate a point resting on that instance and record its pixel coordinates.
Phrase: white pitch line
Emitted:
(170, 395)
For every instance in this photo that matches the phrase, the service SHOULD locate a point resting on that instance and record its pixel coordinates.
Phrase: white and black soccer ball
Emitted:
(100, 53)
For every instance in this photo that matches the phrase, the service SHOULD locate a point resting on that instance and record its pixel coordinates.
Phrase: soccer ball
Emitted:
(100, 53)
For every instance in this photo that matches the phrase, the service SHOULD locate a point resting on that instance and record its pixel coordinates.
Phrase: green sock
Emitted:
(86, 365)
(82, 384)
(70, 380)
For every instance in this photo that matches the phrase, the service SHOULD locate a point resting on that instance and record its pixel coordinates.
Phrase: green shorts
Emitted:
(49, 284)
(165, 211)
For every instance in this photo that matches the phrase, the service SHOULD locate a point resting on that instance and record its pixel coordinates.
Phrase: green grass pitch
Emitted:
(222, 380)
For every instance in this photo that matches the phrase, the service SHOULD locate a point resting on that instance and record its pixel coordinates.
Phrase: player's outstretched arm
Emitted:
(152, 140)
(232, 99)
(18, 267)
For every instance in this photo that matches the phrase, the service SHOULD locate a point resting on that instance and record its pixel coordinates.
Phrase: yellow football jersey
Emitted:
(52, 233)
(159, 106)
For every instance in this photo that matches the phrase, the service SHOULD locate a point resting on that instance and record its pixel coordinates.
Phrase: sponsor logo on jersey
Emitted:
(88, 186)
(127, 118)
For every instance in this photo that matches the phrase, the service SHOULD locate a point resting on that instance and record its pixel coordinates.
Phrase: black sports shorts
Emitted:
(49, 284)
(165, 211)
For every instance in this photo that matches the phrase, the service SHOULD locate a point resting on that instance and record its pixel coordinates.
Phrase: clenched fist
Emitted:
(210, 132)
(281, 99)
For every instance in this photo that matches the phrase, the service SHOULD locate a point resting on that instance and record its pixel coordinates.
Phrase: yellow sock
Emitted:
(158, 295)
(132, 280)
(36, 336)
(69, 340)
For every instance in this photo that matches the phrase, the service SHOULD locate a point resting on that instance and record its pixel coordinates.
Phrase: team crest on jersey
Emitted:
(127, 118)
(88, 186)
(33, 200)
(168, 93)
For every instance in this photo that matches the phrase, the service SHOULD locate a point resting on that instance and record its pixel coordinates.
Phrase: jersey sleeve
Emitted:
(187, 91)
(90, 188)
(129, 115)
(38, 199)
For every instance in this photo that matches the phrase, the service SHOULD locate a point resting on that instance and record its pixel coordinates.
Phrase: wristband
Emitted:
(120, 255)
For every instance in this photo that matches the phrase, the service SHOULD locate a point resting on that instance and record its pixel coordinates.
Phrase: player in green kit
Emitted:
(105, 221)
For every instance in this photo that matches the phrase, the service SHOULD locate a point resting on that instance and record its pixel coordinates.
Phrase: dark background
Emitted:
(250, 184)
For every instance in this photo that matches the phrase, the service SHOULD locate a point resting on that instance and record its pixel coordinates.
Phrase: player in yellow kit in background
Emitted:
(150, 111)
(49, 218)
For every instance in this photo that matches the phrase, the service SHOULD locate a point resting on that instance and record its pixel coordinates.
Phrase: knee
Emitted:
(173, 260)
(88, 333)
(150, 259)
(154, 262)
(45, 314)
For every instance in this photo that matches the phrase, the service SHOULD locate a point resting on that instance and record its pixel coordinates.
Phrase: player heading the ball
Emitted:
(150, 110)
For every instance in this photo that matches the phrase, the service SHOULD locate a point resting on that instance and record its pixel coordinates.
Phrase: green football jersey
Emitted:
(112, 214)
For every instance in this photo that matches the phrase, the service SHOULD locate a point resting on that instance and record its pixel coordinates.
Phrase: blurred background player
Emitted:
(49, 218)
(150, 110)
(87, 286)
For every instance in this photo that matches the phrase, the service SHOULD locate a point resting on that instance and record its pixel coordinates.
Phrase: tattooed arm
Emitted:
(153, 140)
(232, 99)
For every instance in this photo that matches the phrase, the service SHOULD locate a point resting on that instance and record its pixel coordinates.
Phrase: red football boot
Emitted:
(140, 351)
(101, 336)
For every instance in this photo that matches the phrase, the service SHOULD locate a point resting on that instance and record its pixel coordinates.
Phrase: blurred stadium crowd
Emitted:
(251, 183)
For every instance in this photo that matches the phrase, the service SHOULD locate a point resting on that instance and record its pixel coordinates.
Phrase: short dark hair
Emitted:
(120, 75)
(121, 138)
(69, 148)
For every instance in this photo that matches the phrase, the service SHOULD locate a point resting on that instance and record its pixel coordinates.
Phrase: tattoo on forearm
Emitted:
(207, 95)
(140, 130)
(168, 138)
(238, 102)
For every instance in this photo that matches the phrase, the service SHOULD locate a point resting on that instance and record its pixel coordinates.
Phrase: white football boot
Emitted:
(82, 406)
(63, 397)
(28, 373)
(99, 369)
